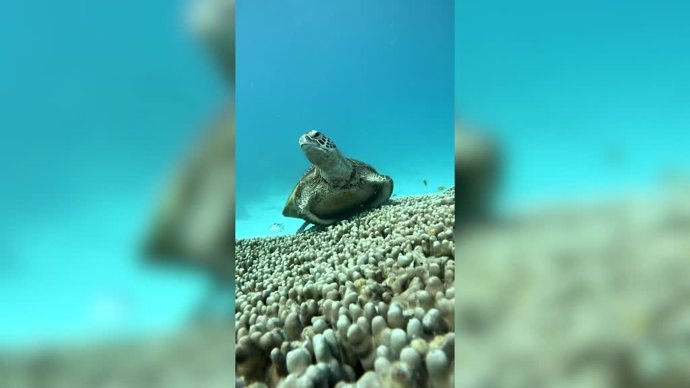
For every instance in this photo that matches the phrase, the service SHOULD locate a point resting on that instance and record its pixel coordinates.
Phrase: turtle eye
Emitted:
(316, 134)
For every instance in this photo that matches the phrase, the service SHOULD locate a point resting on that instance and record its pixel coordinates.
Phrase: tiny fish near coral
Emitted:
(276, 227)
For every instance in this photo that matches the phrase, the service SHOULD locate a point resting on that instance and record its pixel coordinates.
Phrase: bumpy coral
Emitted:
(368, 302)
(593, 295)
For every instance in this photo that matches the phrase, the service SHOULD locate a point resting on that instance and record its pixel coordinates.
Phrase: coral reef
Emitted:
(367, 302)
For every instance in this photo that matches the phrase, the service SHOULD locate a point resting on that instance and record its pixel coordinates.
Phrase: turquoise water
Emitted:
(98, 102)
(376, 77)
(588, 97)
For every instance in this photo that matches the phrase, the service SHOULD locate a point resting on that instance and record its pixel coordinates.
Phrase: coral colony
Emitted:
(367, 302)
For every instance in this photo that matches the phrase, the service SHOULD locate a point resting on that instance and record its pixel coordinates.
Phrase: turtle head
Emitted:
(322, 152)
(318, 148)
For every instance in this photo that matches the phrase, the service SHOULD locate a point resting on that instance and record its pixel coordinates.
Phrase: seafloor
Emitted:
(581, 294)
(578, 295)
(196, 356)
(367, 302)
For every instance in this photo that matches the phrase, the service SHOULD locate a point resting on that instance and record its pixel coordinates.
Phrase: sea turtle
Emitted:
(335, 186)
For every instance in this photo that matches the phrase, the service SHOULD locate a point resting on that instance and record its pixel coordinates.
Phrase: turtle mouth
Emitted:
(315, 139)
(306, 140)
(310, 145)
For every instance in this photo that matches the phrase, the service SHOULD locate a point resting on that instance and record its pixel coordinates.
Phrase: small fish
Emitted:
(425, 183)
(276, 227)
(441, 188)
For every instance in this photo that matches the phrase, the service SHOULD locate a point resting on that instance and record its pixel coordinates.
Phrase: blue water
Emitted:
(564, 85)
(376, 77)
(98, 103)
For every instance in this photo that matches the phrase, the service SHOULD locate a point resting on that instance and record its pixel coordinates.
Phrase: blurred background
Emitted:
(580, 279)
(99, 102)
(587, 99)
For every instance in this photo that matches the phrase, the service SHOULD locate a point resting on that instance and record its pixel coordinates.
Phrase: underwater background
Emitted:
(589, 99)
(98, 105)
(99, 101)
(375, 77)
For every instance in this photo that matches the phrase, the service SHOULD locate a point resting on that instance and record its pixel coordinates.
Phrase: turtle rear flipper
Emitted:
(306, 228)
(303, 227)
(384, 189)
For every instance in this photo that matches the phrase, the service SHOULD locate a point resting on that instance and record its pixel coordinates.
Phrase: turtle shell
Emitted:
(315, 194)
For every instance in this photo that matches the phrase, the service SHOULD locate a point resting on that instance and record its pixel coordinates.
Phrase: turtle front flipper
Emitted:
(305, 208)
(311, 218)
(314, 219)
